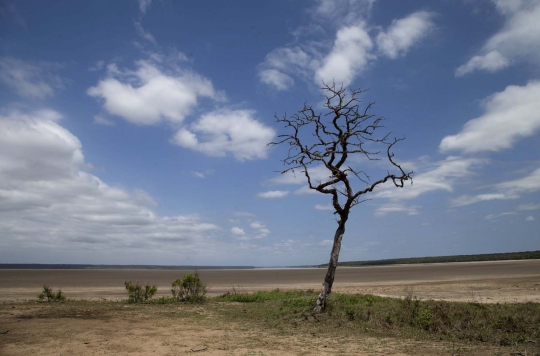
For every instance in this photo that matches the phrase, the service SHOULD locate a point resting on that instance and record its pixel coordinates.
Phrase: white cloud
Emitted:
(440, 176)
(236, 231)
(348, 57)
(273, 77)
(506, 190)
(494, 216)
(351, 50)
(280, 64)
(273, 194)
(100, 120)
(324, 207)
(509, 115)
(143, 33)
(343, 11)
(490, 62)
(49, 202)
(402, 34)
(97, 67)
(395, 207)
(224, 131)
(326, 243)
(29, 80)
(149, 95)
(529, 218)
(518, 40)
(468, 200)
(198, 174)
(527, 184)
(143, 5)
(257, 225)
(260, 233)
(528, 207)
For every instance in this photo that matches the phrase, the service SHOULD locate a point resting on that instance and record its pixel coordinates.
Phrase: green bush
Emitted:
(51, 295)
(138, 293)
(190, 288)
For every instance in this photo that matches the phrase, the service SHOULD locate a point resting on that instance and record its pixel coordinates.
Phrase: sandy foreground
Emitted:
(185, 329)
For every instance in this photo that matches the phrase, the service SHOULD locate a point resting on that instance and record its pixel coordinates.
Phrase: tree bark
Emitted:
(320, 305)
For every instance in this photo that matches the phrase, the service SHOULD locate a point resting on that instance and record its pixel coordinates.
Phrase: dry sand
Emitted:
(497, 281)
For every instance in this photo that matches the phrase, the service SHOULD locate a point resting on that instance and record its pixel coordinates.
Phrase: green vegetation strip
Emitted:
(496, 324)
(528, 255)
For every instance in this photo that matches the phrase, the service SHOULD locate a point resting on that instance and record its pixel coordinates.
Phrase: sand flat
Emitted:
(493, 281)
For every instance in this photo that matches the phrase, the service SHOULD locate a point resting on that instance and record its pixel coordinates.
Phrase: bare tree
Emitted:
(343, 131)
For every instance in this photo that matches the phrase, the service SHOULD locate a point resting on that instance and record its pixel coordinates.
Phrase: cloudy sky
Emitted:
(135, 132)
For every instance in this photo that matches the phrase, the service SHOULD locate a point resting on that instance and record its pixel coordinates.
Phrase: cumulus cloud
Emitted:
(260, 232)
(402, 34)
(48, 201)
(351, 50)
(150, 95)
(236, 231)
(509, 115)
(348, 57)
(518, 40)
(529, 218)
(226, 131)
(273, 194)
(29, 80)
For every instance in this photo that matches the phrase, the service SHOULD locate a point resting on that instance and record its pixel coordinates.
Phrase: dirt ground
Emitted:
(40, 329)
(106, 328)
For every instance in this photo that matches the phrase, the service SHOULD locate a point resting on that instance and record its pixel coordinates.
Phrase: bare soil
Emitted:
(106, 327)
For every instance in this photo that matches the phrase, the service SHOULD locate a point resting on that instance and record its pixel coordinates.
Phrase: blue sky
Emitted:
(135, 132)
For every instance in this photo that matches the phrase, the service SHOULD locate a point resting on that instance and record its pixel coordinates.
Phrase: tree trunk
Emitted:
(332, 265)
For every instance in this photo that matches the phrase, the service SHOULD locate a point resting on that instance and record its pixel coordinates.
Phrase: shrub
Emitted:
(51, 295)
(138, 293)
(190, 288)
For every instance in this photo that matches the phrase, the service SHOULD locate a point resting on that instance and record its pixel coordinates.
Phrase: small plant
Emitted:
(138, 293)
(189, 288)
(51, 295)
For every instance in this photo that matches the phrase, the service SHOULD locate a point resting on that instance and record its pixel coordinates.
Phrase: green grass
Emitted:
(259, 297)
(495, 324)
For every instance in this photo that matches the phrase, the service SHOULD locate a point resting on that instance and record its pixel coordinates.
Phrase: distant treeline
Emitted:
(71, 266)
(528, 255)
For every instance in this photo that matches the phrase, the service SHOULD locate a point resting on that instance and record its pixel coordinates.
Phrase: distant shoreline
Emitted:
(89, 266)
(526, 255)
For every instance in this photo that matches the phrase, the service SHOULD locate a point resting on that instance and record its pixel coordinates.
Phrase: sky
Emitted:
(136, 132)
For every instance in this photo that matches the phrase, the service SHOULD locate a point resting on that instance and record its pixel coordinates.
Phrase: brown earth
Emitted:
(89, 328)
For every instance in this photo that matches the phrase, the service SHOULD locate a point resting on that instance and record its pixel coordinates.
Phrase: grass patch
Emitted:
(495, 324)
(260, 296)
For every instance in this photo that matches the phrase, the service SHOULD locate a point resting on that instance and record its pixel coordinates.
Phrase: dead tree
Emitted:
(343, 131)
